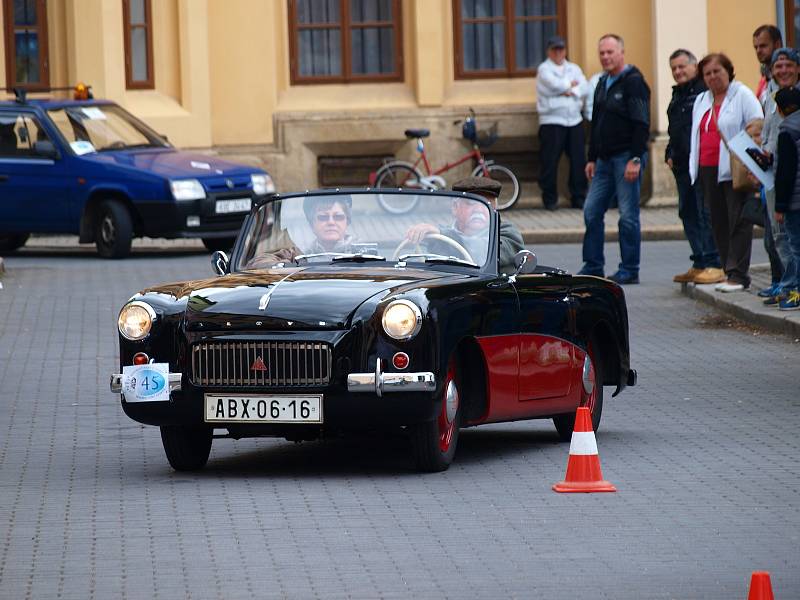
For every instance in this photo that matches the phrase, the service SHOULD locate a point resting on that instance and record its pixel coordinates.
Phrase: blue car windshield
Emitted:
(98, 128)
(343, 228)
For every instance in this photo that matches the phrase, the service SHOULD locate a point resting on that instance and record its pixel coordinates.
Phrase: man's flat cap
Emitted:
(556, 42)
(478, 185)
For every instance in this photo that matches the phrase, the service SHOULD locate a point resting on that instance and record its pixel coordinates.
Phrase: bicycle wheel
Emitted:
(398, 175)
(510, 192)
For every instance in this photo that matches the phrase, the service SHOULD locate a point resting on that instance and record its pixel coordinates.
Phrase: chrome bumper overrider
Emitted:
(380, 382)
(174, 382)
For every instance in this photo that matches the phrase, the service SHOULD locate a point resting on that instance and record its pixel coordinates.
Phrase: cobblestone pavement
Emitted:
(703, 452)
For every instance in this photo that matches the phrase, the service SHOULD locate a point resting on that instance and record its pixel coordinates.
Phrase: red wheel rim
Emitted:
(447, 416)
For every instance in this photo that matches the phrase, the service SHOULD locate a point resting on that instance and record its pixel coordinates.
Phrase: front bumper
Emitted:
(380, 382)
(377, 382)
(116, 382)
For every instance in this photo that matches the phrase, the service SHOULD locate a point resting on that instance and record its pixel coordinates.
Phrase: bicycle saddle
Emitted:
(417, 133)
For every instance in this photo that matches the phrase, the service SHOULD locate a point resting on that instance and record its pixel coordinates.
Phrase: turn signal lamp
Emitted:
(140, 358)
(400, 360)
(82, 92)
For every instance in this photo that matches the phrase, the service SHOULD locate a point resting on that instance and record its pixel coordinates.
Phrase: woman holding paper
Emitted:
(718, 114)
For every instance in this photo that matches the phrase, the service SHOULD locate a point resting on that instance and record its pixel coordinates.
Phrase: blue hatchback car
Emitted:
(89, 167)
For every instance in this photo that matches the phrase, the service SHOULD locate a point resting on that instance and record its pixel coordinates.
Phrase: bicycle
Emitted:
(402, 174)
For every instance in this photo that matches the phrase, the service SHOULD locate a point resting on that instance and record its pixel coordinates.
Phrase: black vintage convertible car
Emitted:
(331, 317)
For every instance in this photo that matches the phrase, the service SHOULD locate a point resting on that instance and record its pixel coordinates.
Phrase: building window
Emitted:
(338, 41)
(25, 33)
(138, 24)
(504, 38)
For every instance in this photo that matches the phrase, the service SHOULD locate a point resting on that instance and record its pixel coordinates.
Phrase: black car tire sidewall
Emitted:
(120, 245)
(187, 448)
(425, 436)
(565, 424)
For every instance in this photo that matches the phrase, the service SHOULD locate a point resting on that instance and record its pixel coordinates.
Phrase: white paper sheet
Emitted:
(739, 144)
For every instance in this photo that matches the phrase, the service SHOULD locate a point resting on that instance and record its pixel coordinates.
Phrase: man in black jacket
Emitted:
(617, 153)
(691, 209)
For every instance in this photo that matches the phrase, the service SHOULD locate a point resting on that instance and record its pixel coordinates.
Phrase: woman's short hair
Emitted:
(314, 204)
(719, 57)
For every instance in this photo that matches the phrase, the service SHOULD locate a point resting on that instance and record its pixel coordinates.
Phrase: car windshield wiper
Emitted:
(357, 257)
(439, 259)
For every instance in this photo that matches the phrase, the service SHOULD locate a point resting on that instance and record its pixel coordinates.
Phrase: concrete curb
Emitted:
(747, 307)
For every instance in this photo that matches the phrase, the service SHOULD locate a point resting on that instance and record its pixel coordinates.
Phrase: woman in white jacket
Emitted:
(726, 108)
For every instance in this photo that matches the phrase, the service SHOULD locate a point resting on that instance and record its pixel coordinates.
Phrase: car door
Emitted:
(35, 191)
(547, 358)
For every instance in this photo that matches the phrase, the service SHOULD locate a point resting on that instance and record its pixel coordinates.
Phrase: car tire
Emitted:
(214, 244)
(12, 241)
(566, 423)
(434, 442)
(187, 448)
(113, 231)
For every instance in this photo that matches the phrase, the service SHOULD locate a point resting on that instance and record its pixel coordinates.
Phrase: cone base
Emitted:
(585, 487)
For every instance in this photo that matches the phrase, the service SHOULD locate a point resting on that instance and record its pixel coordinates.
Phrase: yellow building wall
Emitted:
(730, 30)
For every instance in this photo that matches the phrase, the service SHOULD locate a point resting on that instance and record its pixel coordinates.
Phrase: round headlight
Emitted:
(402, 320)
(135, 320)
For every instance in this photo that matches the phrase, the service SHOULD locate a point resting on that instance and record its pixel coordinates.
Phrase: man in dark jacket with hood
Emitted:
(691, 209)
(617, 153)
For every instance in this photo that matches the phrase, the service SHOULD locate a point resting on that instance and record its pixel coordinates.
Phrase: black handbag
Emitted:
(753, 211)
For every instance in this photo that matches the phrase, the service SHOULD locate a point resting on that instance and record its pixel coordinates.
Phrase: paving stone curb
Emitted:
(747, 307)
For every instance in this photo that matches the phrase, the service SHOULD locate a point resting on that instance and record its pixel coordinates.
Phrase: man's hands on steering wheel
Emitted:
(422, 233)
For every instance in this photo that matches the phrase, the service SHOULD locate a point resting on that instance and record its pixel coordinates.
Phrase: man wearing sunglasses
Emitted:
(329, 219)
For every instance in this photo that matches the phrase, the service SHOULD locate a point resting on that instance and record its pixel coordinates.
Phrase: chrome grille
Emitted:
(289, 364)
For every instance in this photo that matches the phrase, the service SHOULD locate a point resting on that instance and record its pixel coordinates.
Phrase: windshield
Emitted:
(355, 227)
(98, 128)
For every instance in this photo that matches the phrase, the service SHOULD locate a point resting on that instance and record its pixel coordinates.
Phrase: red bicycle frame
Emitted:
(474, 154)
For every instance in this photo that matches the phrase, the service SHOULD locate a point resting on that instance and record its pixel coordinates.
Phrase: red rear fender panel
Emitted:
(531, 375)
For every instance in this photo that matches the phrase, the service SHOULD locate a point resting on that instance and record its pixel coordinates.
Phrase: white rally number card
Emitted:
(146, 383)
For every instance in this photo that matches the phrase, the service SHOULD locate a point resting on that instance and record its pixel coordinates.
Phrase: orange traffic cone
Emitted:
(760, 586)
(583, 467)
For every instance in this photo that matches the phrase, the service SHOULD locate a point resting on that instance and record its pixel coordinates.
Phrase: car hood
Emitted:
(304, 298)
(174, 164)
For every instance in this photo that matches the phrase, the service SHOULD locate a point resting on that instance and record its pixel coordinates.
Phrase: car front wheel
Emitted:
(593, 401)
(434, 442)
(187, 448)
(11, 241)
(113, 230)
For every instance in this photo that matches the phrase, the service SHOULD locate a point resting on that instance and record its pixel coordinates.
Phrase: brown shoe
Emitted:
(710, 275)
(688, 276)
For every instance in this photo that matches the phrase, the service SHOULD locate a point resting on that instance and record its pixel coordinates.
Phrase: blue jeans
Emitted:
(792, 226)
(609, 179)
(775, 234)
(696, 222)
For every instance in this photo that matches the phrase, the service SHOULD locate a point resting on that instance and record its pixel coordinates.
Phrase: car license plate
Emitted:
(222, 408)
(232, 206)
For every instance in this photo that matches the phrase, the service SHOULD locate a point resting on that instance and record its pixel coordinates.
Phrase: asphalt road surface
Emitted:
(704, 453)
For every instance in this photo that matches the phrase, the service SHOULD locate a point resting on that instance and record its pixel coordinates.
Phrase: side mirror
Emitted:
(46, 149)
(525, 261)
(220, 262)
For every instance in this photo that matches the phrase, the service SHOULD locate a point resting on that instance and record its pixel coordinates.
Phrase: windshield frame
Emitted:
(157, 140)
(489, 267)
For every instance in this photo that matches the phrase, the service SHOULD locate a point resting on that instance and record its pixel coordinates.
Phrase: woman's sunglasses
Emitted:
(325, 217)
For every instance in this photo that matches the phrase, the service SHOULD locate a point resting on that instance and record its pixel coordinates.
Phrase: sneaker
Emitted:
(720, 285)
(624, 278)
(770, 291)
(688, 276)
(584, 271)
(710, 275)
(774, 300)
(729, 286)
(791, 302)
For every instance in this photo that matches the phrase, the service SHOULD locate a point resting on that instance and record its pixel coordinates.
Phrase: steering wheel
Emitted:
(439, 238)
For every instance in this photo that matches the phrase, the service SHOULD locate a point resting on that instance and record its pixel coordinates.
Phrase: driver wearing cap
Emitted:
(470, 222)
